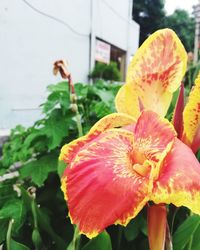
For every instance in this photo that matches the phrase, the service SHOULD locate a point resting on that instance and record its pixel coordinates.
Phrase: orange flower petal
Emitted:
(154, 74)
(101, 185)
(69, 150)
(178, 182)
(191, 114)
(154, 136)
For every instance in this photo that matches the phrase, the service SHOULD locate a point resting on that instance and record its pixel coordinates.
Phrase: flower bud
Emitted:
(36, 238)
(74, 107)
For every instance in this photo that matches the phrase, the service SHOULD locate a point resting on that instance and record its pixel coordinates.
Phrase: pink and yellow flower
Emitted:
(133, 156)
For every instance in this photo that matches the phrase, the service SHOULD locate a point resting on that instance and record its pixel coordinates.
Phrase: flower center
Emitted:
(139, 163)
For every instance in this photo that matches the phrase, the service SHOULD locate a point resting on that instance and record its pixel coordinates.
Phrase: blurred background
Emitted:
(98, 38)
(35, 33)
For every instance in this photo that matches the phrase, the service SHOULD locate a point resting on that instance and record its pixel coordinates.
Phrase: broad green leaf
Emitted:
(14, 209)
(81, 90)
(32, 137)
(56, 128)
(135, 226)
(195, 244)
(101, 242)
(61, 86)
(38, 170)
(186, 230)
(44, 224)
(51, 102)
(132, 230)
(61, 167)
(106, 96)
(14, 245)
(101, 109)
(6, 192)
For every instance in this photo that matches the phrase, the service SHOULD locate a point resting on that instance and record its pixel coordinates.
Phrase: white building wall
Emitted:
(30, 42)
(113, 24)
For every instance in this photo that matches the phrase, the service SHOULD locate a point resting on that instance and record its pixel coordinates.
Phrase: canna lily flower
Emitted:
(133, 156)
(113, 172)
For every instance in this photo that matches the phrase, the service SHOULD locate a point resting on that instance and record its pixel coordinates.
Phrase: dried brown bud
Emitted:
(61, 67)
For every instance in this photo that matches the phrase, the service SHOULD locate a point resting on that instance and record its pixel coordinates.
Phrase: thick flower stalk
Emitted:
(134, 156)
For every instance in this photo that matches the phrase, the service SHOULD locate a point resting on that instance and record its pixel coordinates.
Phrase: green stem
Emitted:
(79, 125)
(76, 239)
(8, 235)
(33, 208)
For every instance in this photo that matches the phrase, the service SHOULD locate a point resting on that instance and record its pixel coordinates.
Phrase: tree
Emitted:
(149, 14)
(184, 25)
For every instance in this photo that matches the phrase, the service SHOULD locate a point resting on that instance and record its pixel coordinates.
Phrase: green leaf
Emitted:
(56, 128)
(44, 224)
(3, 229)
(81, 90)
(106, 96)
(195, 239)
(101, 242)
(60, 87)
(14, 245)
(135, 226)
(61, 167)
(186, 230)
(32, 137)
(101, 109)
(38, 170)
(51, 102)
(132, 230)
(14, 209)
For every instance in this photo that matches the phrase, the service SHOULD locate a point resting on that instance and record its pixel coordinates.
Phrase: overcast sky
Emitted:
(171, 5)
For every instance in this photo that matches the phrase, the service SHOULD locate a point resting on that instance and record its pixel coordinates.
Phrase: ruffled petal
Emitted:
(154, 74)
(69, 150)
(154, 136)
(101, 185)
(191, 115)
(178, 182)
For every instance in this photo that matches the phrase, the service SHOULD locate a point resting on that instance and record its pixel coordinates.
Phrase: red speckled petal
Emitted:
(191, 116)
(154, 136)
(179, 179)
(69, 150)
(154, 74)
(101, 185)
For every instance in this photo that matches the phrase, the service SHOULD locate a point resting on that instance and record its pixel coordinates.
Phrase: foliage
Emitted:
(34, 199)
(184, 26)
(149, 14)
(191, 74)
(106, 72)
